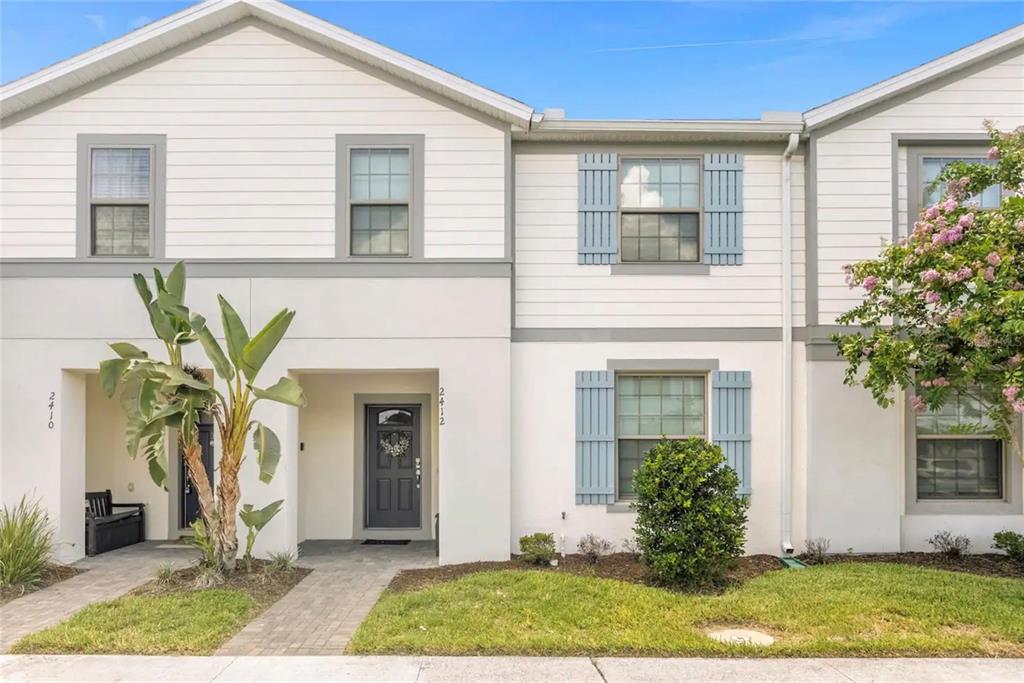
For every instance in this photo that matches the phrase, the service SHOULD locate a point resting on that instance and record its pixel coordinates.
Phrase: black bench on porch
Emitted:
(108, 530)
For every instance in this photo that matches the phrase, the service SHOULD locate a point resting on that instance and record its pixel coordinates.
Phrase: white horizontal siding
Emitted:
(553, 290)
(251, 119)
(854, 174)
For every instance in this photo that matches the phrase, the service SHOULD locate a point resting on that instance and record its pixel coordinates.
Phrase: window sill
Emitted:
(964, 507)
(660, 269)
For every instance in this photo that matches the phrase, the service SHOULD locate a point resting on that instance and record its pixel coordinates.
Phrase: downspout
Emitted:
(787, 344)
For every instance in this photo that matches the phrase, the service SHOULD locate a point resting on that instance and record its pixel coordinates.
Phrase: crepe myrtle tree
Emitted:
(943, 309)
(158, 394)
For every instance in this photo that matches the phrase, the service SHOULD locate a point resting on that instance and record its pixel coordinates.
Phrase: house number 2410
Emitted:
(440, 405)
(50, 404)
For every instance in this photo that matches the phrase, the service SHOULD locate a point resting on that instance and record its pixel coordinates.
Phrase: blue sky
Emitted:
(597, 60)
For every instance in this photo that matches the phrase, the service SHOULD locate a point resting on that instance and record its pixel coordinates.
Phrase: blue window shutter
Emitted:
(598, 208)
(730, 419)
(723, 209)
(595, 437)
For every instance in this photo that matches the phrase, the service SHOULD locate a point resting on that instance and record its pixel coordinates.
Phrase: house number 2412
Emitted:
(440, 405)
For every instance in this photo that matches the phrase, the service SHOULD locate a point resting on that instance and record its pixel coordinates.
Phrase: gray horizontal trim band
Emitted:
(283, 268)
(660, 269)
(619, 507)
(645, 334)
(823, 351)
(694, 364)
(971, 139)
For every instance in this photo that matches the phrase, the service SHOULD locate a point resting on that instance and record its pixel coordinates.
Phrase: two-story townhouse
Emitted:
(526, 301)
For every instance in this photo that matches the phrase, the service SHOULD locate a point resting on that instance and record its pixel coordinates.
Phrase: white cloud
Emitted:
(98, 21)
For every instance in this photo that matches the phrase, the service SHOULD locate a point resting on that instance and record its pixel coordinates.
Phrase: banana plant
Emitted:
(156, 395)
(255, 520)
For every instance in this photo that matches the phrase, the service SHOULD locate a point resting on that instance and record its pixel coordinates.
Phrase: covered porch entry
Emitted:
(368, 458)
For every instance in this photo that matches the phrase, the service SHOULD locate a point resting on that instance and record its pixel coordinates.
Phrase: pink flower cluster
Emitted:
(1011, 393)
(937, 382)
(918, 404)
(930, 275)
(994, 259)
(870, 282)
(965, 273)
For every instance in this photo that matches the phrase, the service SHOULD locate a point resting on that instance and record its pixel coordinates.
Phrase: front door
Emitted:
(189, 496)
(393, 467)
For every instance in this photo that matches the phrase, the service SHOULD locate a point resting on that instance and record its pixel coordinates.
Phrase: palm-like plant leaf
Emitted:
(128, 351)
(268, 451)
(234, 332)
(285, 390)
(213, 351)
(259, 348)
(110, 374)
(257, 519)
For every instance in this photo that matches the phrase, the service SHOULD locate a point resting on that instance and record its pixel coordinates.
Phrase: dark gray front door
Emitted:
(189, 496)
(393, 467)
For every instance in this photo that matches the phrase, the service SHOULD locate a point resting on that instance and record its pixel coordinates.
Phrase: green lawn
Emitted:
(192, 623)
(845, 609)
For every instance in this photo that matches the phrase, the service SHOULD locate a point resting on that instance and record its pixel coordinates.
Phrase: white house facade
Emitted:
(523, 301)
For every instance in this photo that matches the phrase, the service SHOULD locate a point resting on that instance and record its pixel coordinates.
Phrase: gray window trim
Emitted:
(682, 367)
(695, 267)
(344, 142)
(1012, 481)
(158, 190)
(915, 168)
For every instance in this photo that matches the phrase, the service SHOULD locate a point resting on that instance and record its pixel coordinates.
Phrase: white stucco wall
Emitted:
(341, 324)
(544, 436)
(327, 483)
(857, 475)
(108, 465)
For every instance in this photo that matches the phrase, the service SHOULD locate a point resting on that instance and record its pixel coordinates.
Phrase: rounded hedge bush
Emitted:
(690, 519)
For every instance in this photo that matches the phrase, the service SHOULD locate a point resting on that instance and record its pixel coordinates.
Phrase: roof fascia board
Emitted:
(914, 78)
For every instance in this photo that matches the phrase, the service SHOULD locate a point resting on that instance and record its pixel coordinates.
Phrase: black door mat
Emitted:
(377, 541)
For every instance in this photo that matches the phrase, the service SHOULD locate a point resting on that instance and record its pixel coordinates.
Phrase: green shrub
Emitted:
(26, 543)
(1011, 543)
(280, 562)
(690, 520)
(538, 548)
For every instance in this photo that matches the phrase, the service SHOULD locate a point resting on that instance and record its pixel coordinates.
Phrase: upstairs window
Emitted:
(120, 197)
(660, 203)
(121, 201)
(931, 192)
(379, 196)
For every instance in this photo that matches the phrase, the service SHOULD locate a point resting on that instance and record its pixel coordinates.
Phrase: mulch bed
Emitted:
(263, 586)
(984, 564)
(620, 566)
(53, 573)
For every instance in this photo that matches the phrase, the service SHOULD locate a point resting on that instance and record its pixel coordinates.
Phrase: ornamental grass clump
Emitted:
(943, 308)
(26, 543)
(690, 516)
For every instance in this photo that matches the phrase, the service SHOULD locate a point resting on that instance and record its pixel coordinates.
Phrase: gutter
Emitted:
(786, 396)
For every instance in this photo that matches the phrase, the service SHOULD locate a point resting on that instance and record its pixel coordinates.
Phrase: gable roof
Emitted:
(210, 15)
(918, 76)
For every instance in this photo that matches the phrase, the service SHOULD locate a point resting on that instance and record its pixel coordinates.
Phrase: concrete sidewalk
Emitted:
(85, 668)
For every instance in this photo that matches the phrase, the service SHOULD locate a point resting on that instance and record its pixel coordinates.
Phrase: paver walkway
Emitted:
(320, 614)
(109, 575)
(84, 669)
